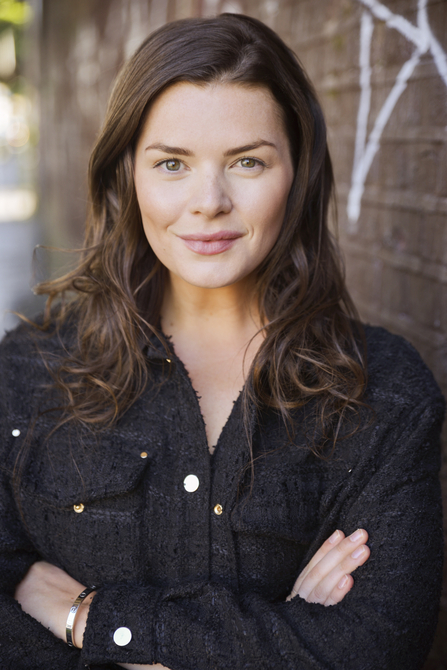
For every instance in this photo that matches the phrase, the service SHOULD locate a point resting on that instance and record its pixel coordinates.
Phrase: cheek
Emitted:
(267, 211)
(159, 207)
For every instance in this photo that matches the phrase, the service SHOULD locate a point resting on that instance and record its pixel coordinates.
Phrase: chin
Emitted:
(211, 284)
(212, 279)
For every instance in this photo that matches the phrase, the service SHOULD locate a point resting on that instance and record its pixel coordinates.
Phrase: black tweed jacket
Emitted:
(196, 567)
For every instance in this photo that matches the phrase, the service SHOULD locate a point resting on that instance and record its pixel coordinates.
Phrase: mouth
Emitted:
(210, 244)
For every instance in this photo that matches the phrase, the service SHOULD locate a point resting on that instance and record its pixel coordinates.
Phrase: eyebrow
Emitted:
(165, 148)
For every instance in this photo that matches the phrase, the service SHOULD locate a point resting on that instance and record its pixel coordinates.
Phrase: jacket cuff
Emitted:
(120, 625)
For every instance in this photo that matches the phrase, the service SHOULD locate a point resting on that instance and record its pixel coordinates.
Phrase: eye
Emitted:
(250, 163)
(170, 164)
(173, 164)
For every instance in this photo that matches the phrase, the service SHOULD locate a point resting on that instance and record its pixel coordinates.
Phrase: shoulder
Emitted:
(29, 336)
(397, 373)
(27, 356)
(402, 417)
(28, 352)
(19, 346)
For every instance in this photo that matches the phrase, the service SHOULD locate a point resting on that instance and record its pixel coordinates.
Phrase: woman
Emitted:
(193, 435)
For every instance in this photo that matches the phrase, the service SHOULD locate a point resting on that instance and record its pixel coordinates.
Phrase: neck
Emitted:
(213, 312)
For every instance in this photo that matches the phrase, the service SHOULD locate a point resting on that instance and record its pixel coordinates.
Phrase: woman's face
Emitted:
(212, 174)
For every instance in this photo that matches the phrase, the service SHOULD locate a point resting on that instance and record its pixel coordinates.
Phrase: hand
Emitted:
(47, 594)
(326, 579)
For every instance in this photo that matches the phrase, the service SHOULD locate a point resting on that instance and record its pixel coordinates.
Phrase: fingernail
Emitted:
(334, 537)
(356, 536)
(358, 552)
(343, 581)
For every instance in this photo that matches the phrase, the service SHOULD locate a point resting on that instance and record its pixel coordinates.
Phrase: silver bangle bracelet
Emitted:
(72, 615)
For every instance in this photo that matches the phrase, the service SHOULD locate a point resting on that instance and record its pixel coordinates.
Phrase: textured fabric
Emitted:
(201, 590)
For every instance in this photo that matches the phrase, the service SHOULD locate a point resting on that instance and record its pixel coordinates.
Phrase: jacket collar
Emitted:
(156, 350)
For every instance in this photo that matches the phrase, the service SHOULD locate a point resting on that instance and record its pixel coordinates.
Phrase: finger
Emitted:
(325, 548)
(337, 594)
(326, 586)
(335, 558)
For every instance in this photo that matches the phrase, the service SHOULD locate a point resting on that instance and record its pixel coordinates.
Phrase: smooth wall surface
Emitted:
(381, 73)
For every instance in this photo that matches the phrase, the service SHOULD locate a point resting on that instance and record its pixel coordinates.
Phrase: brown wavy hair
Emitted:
(312, 348)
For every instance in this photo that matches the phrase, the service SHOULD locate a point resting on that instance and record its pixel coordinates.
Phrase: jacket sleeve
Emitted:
(24, 643)
(387, 621)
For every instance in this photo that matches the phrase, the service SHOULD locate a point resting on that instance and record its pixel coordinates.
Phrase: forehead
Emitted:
(228, 110)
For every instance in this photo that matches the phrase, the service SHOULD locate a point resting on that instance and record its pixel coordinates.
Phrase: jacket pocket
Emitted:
(88, 521)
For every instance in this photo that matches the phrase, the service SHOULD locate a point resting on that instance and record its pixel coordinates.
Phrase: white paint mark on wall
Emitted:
(358, 169)
(424, 40)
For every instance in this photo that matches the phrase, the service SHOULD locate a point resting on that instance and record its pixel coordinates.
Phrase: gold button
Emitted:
(78, 508)
(218, 509)
(168, 360)
(143, 454)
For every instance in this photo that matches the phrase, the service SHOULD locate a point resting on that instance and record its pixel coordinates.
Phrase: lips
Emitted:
(209, 244)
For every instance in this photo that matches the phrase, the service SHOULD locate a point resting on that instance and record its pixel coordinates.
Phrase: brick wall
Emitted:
(396, 251)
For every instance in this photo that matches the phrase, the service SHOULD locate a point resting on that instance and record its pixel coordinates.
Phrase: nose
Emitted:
(210, 196)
